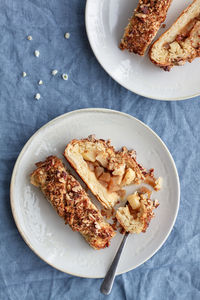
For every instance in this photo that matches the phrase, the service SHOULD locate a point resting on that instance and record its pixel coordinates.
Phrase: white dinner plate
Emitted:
(105, 23)
(45, 232)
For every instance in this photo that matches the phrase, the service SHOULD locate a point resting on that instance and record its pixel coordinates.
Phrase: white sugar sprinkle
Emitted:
(37, 53)
(65, 76)
(29, 37)
(67, 35)
(24, 74)
(40, 82)
(37, 96)
(54, 72)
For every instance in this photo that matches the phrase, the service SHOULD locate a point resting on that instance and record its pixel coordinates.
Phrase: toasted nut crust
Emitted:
(71, 202)
(144, 24)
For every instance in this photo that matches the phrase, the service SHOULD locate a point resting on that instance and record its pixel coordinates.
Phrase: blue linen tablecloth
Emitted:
(174, 272)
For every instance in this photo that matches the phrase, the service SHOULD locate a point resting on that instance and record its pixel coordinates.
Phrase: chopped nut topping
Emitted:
(62, 180)
(144, 9)
(119, 170)
(76, 188)
(97, 226)
(140, 15)
(69, 187)
(144, 24)
(156, 203)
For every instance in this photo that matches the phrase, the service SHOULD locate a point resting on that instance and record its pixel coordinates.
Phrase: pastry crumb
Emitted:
(24, 74)
(67, 35)
(158, 184)
(37, 53)
(40, 82)
(29, 37)
(37, 96)
(54, 72)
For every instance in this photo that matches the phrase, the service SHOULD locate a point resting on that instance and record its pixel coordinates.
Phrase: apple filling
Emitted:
(137, 214)
(112, 172)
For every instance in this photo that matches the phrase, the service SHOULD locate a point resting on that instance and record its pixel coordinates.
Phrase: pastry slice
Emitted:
(181, 42)
(137, 214)
(71, 202)
(104, 170)
(144, 24)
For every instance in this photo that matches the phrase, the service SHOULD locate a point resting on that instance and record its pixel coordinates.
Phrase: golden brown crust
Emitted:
(183, 42)
(144, 24)
(71, 202)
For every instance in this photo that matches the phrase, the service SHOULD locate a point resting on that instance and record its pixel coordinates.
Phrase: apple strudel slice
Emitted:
(71, 202)
(105, 170)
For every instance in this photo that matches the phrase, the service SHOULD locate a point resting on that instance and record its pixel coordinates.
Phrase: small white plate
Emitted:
(105, 23)
(44, 231)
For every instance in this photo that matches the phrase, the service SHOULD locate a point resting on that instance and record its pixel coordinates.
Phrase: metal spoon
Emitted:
(107, 283)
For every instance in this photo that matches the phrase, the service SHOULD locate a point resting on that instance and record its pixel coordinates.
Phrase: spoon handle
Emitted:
(107, 283)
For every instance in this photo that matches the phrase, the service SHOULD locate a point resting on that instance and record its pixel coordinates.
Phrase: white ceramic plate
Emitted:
(43, 230)
(105, 23)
